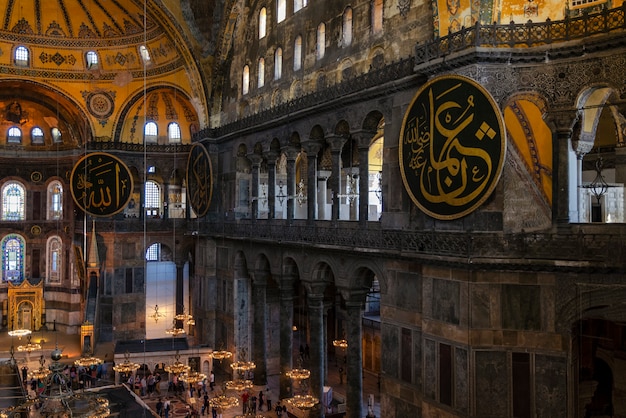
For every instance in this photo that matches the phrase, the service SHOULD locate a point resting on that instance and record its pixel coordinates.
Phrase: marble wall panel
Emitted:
(138, 279)
(119, 281)
(480, 301)
(446, 301)
(430, 369)
(128, 313)
(390, 346)
(417, 359)
(550, 386)
(492, 384)
(521, 307)
(407, 291)
(461, 379)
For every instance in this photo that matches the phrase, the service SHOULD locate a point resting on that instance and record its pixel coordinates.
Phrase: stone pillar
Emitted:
(291, 154)
(354, 373)
(180, 290)
(363, 140)
(259, 288)
(317, 345)
(311, 148)
(563, 121)
(254, 186)
(336, 145)
(286, 333)
(166, 200)
(271, 184)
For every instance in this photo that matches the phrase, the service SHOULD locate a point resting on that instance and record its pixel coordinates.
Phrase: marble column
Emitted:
(259, 288)
(291, 154)
(254, 186)
(363, 140)
(354, 373)
(563, 121)
(311, 148)
(271, 184)
(286, 334)
(336, 145)
(317, 348)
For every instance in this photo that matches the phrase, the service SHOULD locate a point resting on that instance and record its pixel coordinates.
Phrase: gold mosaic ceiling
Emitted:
(74, 19)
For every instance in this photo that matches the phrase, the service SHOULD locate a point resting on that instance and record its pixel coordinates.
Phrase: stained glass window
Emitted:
(13, 259)
(13, 202)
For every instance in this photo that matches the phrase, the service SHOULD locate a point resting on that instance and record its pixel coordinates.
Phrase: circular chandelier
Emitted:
(174, 331)
(239, 384)
(183, 316)
(30, 347)
(303, 401)
(243, 366)
(223, 402)
(298, 374)
(21, 332)
(250, 415)
(177, 367)
(340, 343)
(88, 361)
(221, 354)
(42, 372)
(192, 377)
(127, 366)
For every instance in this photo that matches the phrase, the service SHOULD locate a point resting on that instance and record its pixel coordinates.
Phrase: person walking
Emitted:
(166, 408)
(159, 407)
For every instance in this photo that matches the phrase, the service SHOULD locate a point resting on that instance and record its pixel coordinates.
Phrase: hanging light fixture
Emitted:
(127, 366)
(598, 187)
(223, 402)
(29, 347)
(221, 354)
(174, 331)
(177, 367)
(42, 372)
(299, 373)
(88, 361)
(156, 315)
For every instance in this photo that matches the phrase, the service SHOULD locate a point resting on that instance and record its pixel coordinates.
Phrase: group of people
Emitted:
(146, 385)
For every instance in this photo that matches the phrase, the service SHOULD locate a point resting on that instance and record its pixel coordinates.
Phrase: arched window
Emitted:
(54, 260)
(36, 136)
(92, 60)
(152, 197)
(22, 56)
(150, 132)
(55, 200)
(297, 53)
(13, 197)
(56, 135)
(299, 4)
(245, 89)
(262, 23)
(173, 133)
(281, 10)
(261, 72)
(320, 49)
(377, 16)
(13, 259)
(278, 63)
(154, 252)
(14, 135)
(145, 54)
(346, 39)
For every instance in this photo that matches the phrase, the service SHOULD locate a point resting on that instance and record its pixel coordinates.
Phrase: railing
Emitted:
(595, 250)
(524, 35)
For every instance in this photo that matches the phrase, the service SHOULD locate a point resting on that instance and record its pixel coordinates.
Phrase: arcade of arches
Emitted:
(300, 225)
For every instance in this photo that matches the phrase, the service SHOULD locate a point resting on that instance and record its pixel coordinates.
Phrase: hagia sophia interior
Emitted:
(429, 192)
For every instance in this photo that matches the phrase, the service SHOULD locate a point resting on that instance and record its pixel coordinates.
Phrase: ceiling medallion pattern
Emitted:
(100, 104)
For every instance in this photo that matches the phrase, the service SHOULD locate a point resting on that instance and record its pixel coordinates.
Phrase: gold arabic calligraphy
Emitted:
(448, 171)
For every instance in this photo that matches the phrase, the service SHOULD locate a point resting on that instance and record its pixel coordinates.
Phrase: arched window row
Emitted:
(14, 197)
(37, 136)
(151, 133)
(13, 247)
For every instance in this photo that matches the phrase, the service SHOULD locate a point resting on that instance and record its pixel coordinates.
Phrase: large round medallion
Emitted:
(199, 179)
(101, 184)
(452, 147)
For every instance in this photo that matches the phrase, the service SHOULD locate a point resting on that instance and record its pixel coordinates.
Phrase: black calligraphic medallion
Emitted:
(452, 147)
(101, 184)
(199, 179)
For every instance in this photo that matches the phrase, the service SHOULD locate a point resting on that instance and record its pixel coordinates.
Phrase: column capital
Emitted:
(336, 142)
(354, 297)
(271, 157)
(291, 152)
(563, 120)
(311, 147)
(363, 138)
(255, 159)
(260, 277)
